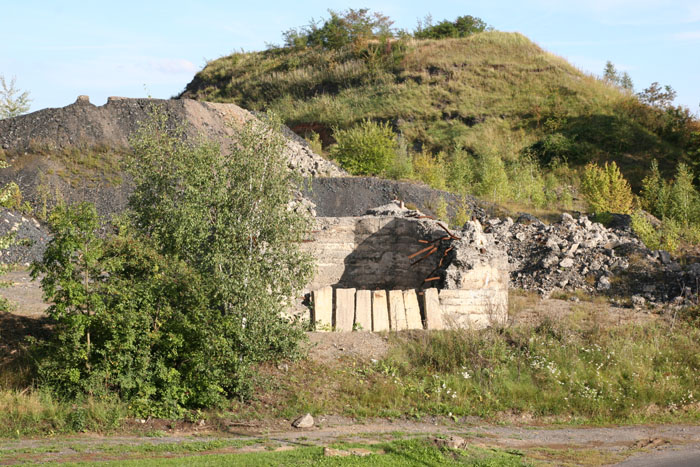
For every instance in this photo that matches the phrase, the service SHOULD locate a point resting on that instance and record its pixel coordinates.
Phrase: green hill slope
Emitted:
(493, 99)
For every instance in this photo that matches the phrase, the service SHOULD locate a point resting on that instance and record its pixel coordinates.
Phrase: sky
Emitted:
(58, 50)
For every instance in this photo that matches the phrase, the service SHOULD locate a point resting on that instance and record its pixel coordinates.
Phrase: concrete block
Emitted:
(344, 309)
(410, 303)
(380, 311)
(431, 305)
(323, 308)
(397, 311)
(363, 310)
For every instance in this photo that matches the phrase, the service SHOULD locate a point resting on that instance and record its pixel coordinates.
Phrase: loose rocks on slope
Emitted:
(577, 254)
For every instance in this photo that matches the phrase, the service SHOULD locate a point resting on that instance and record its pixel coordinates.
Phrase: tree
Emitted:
(12, 101)
(606, 190)
(340, 30)
(227, 215)
(173, 310)
(463, 26)
(656, 96)
(612, 76)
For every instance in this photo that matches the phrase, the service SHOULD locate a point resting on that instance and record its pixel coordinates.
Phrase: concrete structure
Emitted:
(380, 311)
(363, 310)
(391, 256)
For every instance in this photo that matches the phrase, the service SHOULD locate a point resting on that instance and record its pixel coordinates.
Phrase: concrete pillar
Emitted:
(344, 309)
(433, 313)
(410, 303)
(363, 310)
(323, 308)
(397, 312)
(380, 311)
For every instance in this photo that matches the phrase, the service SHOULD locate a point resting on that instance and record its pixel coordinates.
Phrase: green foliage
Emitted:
(173, 310)
(677, 202)
(430, 169)
(12, 101)
(612, 76)
(684, 199)
(646, 232)
(606, 190)
(463, 26)
(351, 27)
(367, 149)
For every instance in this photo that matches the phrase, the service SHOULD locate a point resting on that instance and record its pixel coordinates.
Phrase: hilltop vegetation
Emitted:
(479, 111)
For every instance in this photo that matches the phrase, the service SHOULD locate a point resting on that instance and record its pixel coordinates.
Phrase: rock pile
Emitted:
(577, 254)
(30, 235)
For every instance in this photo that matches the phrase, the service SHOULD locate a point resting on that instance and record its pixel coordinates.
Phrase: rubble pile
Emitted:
(577, 254)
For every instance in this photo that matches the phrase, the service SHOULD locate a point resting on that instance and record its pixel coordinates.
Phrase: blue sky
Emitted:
(60, 49)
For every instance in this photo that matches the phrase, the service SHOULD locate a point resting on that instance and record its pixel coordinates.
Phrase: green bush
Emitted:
(606, 190)
(174, 310)
(463, 26)
(366, 149)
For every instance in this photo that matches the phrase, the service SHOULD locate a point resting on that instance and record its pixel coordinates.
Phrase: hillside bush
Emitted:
(366, 149)
(350, 27)
(606, 190)
(463, 26)
(173, 310)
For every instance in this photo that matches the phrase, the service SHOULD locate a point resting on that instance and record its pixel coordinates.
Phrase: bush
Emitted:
(463, 26)
(606, 190)
(366, 149)
(351, 27)
(430, 169)
(173, 310)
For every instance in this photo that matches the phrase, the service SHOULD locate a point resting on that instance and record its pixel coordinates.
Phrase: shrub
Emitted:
(430, 169)
(655, 192)
(340, 30)
(463, 26)
(173, 311)
(366, 149)
(606, 190)
(493, 182)
(684, 199)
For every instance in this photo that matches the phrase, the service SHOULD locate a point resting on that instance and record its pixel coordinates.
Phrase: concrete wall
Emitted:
(373, 254)
(370, 252)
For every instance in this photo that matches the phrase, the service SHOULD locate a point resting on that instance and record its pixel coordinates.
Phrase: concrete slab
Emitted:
(410, 303)
(433, 313)
(380, 311)
(397, 311)
(323, 308)
(344, 309)
(363, 310)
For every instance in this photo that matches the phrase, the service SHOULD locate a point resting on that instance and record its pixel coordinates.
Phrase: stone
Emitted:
(603, 283)
(344, 309)
(380, 311)
(638, 301)
(566, 263)
(410, 303)
(453, 442)
(305, 421)
(332, 452)
(664, 256)
(323, 308)
(363, 310)
(397, 312)
(431, 305)
(567, 218)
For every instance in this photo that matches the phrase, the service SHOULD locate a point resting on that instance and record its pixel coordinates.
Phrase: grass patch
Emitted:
(403, 452)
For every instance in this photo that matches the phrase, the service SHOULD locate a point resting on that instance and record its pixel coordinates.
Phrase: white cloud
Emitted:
(687, 36)
(172, 66)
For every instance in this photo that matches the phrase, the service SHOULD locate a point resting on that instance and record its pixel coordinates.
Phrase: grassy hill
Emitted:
(490, 100)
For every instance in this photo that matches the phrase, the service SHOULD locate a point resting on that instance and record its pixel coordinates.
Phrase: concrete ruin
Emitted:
(395, 269)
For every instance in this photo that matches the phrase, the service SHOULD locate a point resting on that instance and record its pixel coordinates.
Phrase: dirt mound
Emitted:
(85, 125)
(353, 196)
